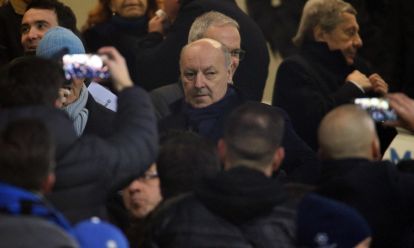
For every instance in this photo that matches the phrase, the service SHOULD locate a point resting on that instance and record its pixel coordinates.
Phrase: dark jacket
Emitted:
(109, 32)
(278, 23)
(10, 45)
(379, 192)
(311, 83)
(118, 32)
(100, 119)
(300, 163)
(226, 211)
(89, 168)
(158, 65)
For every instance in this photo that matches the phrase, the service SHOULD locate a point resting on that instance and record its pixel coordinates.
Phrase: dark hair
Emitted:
(184, 159)
(26, 154)
(30, 81)
(252, 133)
(65, 16)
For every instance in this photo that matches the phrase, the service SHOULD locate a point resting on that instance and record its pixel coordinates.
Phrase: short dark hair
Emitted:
(30, 81)
(26, 154)
(65, 16)
(252, 133)
(184, 159)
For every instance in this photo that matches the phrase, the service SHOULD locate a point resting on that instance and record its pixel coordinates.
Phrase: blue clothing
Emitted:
(17, 201)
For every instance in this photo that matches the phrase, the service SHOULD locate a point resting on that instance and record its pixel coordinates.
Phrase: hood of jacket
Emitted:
(240, 194)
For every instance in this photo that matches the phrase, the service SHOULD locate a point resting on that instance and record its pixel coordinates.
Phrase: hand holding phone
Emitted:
(117, 66)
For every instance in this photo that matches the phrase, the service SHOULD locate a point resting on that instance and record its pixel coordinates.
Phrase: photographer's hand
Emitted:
(404, 107)
(117, 67)
(63, 98)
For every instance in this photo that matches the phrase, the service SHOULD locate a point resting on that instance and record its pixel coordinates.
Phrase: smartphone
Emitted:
(84, 66)
(378, 108)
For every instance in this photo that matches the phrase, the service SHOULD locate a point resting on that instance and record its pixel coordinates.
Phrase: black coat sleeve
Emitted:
(123, 156)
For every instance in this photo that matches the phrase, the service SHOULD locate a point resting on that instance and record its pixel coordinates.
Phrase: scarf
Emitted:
(77, 111)
(204, 120)
(136, 26)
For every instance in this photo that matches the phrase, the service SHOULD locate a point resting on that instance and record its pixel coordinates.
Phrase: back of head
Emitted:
(203, 22)
(58, 41)
(252, 134)
(97, 233)
(322, 222)
(66, 17)
(26, 154)
(184, 159)
(30, 81)
(347, 132)
(324, 13)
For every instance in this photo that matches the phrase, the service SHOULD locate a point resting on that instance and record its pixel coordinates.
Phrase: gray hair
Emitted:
(324, 13)
(223, 48)
(203, 22)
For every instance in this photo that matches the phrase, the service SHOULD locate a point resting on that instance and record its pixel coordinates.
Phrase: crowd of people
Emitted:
(189, 156)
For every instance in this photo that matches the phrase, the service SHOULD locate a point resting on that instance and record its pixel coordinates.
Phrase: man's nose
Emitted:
(199, 80)
(33, 34)
(357, 42)
(135, 186)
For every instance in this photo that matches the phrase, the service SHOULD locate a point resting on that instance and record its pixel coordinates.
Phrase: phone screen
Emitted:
(378, 108)
(84, 66)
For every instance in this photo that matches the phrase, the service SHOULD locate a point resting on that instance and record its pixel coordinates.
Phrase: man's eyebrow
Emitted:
(41, 22)
(211, 67)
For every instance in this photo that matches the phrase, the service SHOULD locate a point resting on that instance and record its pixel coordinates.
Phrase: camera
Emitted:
(378, 108)
(84, 66)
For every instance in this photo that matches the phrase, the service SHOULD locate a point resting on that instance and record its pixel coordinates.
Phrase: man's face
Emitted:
(35, 24)
(129, 8)
(345, 37)
(204, 74)
(229, 36)
(143, 194)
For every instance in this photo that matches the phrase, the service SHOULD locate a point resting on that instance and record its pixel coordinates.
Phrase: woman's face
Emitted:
(129, 8)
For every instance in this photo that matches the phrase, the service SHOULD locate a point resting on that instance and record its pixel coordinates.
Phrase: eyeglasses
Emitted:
(239, 53)
(148, 176)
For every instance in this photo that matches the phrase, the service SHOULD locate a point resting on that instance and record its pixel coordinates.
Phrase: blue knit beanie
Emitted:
(324, 223)
(59, 41)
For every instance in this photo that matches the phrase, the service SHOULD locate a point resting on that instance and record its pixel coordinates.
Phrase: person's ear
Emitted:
(318, 34)
(278, 157)
(230, 72)
(48, 183)
(376, 149)
(222, 150)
